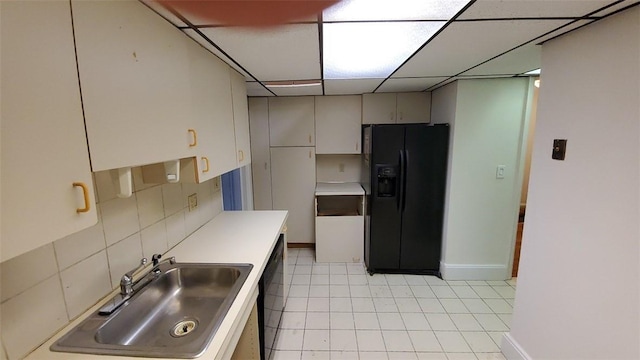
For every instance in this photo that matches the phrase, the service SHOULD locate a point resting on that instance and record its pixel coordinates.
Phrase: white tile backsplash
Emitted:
(119, 218)
(27, 270)
(124, 256)
(42, 289)
(150, 208)
(31, 317)
(154, 239)
(86, 282)
(76, 247)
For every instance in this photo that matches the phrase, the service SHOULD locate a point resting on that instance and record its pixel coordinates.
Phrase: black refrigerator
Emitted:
(404, 172)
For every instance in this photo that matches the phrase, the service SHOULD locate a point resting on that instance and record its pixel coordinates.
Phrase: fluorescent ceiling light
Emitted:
(533, 72)
(371, 50)
(372, 10)
(291, 84)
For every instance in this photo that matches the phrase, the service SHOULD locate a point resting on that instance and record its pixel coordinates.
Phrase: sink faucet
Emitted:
(126, 282)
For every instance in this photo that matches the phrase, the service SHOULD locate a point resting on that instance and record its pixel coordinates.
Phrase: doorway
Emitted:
(525, 178)
(232, 191)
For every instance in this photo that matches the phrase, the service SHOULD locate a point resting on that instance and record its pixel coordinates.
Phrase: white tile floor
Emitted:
(338, 311)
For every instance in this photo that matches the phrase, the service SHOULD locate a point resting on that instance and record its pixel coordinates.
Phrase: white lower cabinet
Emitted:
(293, 179)
(339, 222)
(46, 176)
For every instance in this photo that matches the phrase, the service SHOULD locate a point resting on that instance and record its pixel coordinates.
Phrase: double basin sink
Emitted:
(175, 315)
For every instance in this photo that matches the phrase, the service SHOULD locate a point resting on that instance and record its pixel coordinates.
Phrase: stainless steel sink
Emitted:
(176, 315)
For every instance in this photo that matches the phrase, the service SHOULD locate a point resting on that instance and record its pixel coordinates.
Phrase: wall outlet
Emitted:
(500, 171)
(193, 201)
(340, 167)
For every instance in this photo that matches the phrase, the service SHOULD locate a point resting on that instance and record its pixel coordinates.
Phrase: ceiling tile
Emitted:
(613, 8)
(381, 10)
(409, 84)
(162, 11)
(518, 61)
(351, 86)
(463, 45)
(199, 39)
(569, 27)
(508, 9)
(255, 89)
(289, 52)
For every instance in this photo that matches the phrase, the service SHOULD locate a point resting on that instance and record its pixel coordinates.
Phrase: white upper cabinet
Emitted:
(338, 124)
(261, 156)
(241, 118)
(46, 178)
(413, 107)
(134, 77)
(392, 108)
(291, 121)
(379, 108)
(211, 113)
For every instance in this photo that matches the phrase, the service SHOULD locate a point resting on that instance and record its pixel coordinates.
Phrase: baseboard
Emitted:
(473, 272)
(301, 245)
(512, 350)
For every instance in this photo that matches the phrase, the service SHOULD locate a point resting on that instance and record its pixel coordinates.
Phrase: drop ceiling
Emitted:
(479, 39)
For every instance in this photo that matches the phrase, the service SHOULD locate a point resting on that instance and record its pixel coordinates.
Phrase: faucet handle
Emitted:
(130, 273)
(156, 259)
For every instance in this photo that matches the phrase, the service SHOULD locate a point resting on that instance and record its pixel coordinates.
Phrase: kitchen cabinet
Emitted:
(241, 117)
(339, 214)
(261, 156)
(338, 121)
(46, 176)
(135, 81)
(293, 171)
(392, 108)
(211, 113)
(291, 121)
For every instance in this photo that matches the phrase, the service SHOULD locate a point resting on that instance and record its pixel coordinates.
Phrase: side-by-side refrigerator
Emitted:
(404, 175)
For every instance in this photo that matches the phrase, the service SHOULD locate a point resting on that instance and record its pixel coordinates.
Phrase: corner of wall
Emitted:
(511, 349)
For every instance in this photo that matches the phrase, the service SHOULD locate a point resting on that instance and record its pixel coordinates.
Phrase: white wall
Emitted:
(578, 286)
(480, 210)
(338, 168)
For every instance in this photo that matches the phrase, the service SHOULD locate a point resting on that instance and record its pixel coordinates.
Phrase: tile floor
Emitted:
(338, 311)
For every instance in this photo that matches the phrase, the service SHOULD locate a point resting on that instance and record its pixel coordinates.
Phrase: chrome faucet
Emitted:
(126, 282)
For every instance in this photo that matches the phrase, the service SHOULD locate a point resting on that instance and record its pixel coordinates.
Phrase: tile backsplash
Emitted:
(43, 290)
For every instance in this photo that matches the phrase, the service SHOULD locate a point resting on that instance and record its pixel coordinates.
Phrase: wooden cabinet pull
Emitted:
(241, 153)
(194, 138)
(85, 193)
(206, 164)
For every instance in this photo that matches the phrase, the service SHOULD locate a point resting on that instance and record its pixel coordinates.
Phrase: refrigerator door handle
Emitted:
(401, 181)
(405, 169)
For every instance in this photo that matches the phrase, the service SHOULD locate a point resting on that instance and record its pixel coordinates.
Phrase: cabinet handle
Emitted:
(194, 138)
(206, 164)
(241, 153)
(85, 193)
(309, 138)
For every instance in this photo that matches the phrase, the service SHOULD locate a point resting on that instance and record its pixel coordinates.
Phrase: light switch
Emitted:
(500, 172)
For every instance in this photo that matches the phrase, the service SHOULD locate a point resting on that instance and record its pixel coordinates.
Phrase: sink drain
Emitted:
(183, 328)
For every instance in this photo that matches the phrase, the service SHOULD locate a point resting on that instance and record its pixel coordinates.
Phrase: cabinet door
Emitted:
(261, 156)
(291, 121)
(134, 78)
(211, 113)
(414, 107)
(379, 108)
(241, 118)
(44, 148)
(338, 124)
(293, 171)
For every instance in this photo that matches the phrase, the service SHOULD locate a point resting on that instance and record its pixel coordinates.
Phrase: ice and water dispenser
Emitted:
(387, 178)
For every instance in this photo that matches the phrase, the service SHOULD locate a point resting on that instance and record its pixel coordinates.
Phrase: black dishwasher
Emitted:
(270, 299)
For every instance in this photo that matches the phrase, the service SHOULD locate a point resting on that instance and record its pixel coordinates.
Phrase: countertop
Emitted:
(332, 189)
(231, 237)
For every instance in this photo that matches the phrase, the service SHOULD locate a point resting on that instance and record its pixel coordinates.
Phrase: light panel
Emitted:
(376, 10)
(371, 50)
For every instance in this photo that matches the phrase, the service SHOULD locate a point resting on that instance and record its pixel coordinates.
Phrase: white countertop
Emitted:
(231, 237)
(332, 189)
